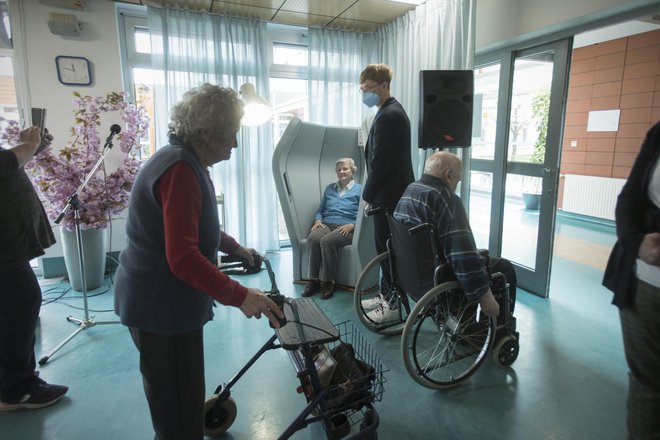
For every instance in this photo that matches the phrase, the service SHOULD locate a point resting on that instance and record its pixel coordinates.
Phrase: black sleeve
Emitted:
(633, 201)
(386, 133)
(8, 162)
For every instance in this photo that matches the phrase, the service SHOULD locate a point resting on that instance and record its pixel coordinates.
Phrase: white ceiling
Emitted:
(358, 15)
(349, 15)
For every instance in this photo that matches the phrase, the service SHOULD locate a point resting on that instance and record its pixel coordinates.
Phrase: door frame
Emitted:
(537, 280)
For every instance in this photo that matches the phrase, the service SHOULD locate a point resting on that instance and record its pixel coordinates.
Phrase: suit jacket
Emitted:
(387, 152)
(636, 216)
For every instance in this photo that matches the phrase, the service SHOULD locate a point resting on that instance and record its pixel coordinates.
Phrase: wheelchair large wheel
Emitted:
(365, 298)
(444, 340)
(215, 425)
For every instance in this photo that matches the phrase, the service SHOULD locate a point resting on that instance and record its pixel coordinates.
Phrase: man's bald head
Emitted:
(446, 167)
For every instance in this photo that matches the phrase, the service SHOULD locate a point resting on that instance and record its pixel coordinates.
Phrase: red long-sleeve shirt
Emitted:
(180, 196)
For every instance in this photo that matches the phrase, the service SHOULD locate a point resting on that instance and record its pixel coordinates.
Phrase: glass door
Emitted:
(514, 159)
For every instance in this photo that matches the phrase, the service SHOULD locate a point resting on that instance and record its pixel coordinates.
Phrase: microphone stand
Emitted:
(74, 203)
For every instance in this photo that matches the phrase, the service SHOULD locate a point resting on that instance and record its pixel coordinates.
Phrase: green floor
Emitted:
(569, 381)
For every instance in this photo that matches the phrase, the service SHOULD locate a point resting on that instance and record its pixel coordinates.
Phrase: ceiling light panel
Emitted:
(379, 11)
(330, 8)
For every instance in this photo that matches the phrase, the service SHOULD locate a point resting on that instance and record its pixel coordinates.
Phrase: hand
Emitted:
(29, 141)
(46, 140)
(257, 303)
(345, 229)
(649, 250)
(367, 208)
(31, 136)
(317, 224)
(246, 253)
(489, 304)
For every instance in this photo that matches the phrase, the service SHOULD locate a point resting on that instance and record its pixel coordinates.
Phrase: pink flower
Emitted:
(57, 174)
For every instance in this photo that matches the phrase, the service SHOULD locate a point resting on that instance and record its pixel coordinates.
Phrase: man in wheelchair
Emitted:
(432, 200)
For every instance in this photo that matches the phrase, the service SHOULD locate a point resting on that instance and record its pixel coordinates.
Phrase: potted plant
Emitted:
(532, 184)
(57, 174)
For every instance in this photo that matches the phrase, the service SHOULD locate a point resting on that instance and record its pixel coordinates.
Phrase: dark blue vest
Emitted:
(148, 296)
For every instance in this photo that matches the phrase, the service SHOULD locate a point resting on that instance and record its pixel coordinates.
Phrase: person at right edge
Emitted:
(389, 165)
(633, 274)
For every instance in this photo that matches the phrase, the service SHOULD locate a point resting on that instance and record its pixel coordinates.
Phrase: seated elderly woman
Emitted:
(333, 228)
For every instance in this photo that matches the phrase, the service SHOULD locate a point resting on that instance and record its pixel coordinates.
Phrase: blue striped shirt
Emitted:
(429, 200)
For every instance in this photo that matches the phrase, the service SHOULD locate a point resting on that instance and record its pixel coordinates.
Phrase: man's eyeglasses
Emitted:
(369, 88)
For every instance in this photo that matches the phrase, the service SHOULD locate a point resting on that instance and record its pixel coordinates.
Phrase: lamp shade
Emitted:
(257, 110)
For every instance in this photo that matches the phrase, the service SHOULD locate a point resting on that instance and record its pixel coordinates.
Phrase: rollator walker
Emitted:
(340, 374)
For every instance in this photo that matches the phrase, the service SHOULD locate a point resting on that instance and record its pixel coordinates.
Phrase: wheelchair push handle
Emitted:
(420, 227)
(371, 210)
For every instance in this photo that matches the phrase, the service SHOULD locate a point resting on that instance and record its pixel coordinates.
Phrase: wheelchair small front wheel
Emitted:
(506, 351)
(217, 422)
(368, 296)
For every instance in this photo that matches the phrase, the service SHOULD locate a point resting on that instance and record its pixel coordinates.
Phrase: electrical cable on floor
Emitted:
(57, 292)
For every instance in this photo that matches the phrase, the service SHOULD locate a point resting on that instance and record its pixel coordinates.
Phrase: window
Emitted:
(8, 101)
(288, 60)
(288, 88)
(135, 45)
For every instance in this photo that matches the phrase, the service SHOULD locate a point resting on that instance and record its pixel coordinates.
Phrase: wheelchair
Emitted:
(445, 337)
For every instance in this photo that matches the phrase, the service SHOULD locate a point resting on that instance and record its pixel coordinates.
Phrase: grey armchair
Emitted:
(303, 165)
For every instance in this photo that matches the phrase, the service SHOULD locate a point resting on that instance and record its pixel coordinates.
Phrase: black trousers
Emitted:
(381, 235)
(20, 302)
(172, 370)
(505, 267)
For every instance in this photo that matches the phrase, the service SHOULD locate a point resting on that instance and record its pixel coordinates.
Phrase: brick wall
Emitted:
(618, 74)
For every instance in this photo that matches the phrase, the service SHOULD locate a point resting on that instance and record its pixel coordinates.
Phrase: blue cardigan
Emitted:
(339, 210)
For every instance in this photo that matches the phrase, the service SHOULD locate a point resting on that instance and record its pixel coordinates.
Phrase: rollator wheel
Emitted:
(506, 351)
(366, 299)
(214, 426)
(446, 337)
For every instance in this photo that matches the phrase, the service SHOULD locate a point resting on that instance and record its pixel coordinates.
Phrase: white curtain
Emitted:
(335, 63)
(438, 35)
(190, 48)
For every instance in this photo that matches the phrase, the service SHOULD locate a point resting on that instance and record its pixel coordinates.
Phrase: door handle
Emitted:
(546, 171)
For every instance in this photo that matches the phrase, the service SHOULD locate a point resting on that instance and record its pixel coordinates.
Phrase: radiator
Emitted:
(590, 195)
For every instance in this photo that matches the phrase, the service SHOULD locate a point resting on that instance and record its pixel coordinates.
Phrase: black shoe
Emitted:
(41, 394)
(327, 289)
(311, 288)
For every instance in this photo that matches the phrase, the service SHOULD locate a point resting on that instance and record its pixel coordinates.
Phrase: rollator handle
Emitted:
(278, 299)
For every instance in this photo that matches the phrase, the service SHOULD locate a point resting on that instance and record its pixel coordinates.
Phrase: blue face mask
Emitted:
(370, 99)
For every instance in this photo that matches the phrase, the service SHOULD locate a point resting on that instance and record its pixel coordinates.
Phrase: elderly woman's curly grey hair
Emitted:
(205, 114)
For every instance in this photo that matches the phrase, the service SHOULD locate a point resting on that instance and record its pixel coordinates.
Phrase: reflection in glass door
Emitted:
(515, 157)
(528, 120)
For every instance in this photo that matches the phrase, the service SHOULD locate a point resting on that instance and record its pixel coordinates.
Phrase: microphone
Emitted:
(114, 129)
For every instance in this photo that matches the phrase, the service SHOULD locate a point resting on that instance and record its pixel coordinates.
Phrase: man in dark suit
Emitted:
(387, 152)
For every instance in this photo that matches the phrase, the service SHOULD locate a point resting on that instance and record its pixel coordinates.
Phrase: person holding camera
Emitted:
(24, 234)
(168, 275)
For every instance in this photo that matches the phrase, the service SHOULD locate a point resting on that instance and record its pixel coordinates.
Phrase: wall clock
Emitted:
(73, 71)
